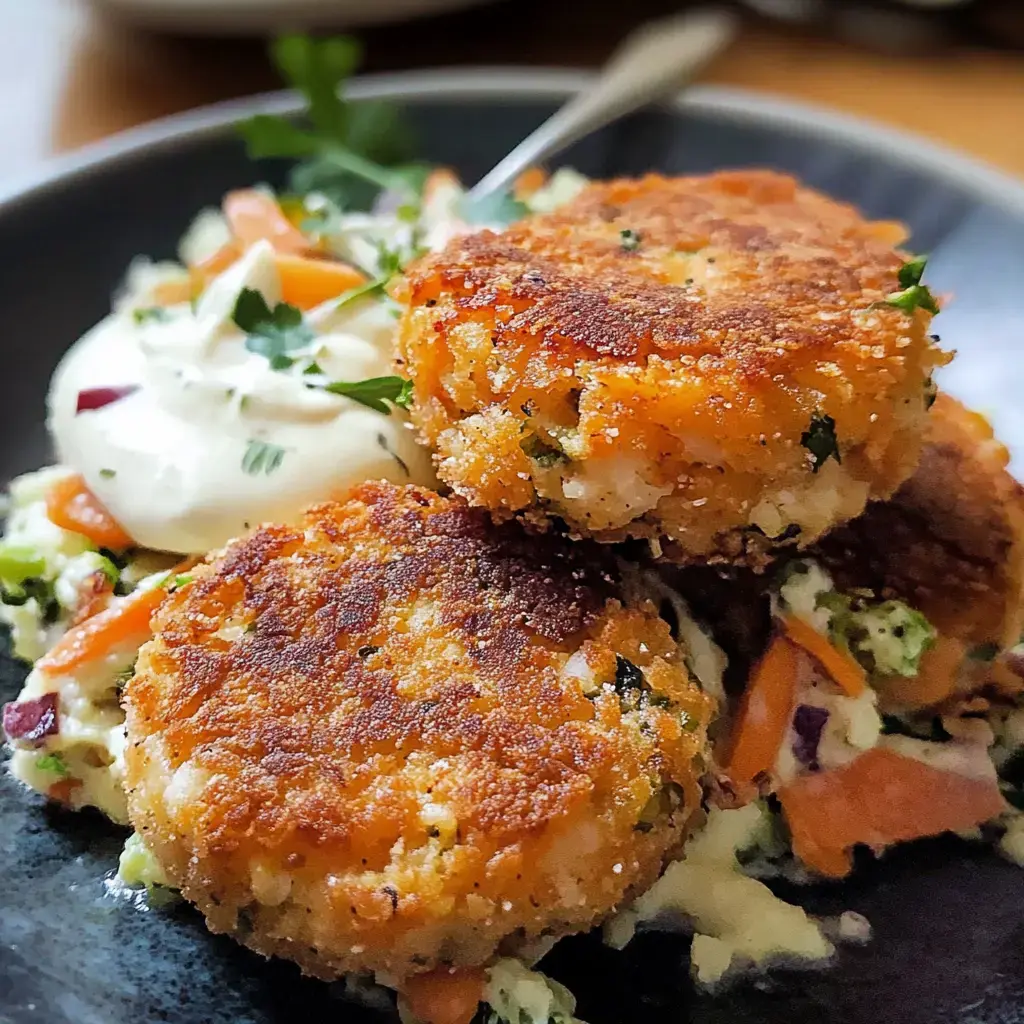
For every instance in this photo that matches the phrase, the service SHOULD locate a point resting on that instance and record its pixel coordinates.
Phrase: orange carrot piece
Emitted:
(71, 505)
(765, 713)
(254, 216)
(306, 283)
(532, 179)
(936, 680)
(847, 673)
(444, 996)
(123, 623)
(173, 293)
(879, 799)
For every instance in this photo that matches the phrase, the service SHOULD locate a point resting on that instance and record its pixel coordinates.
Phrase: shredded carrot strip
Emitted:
(306, 282)
(71, 505)
(847, 673)
(765, 713)
(123, 623)
(936, 678)
(444, 996)
(254, 216)
(879, 799)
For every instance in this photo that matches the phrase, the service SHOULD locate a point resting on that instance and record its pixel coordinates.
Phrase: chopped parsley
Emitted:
(544, 455)
(262, 457)
(152, 314)
(912, 295)
(629, 240)
(108, 474)
(820, 440)
(54, 763)
(374, 392)
(271, 332)
(628, 676)
(348, 152)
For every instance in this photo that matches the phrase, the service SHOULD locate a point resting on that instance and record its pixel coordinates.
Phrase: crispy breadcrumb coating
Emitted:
(400, 736)
(658, 358)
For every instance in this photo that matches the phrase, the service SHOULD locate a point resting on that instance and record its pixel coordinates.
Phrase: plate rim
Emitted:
(497, 84)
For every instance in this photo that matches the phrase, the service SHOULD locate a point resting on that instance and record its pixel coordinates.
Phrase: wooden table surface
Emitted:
(71, 76)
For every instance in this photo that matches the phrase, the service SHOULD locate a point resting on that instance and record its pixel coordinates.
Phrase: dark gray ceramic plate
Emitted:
(948, 917)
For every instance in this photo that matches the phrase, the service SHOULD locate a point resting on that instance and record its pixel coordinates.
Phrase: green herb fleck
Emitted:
(183, 579)
(374, 392)
(913, 294)
(271, 332)
(262, 457)
(820, 440)
(545, 455)
(313, 367)
(108, 474)
(152, 314)
(53, 763)
(629, 239)
(627, 676)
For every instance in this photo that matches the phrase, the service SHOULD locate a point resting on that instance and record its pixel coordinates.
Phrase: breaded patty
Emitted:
(950, 542)
(671, 358)
(399, 736)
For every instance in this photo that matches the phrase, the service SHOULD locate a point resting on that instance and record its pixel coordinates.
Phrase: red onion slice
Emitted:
(31, 721)
(808, 724)
(96, 398)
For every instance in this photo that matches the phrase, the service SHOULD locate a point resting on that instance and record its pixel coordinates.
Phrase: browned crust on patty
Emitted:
(740, 307)
(950, 542)
(325, 682)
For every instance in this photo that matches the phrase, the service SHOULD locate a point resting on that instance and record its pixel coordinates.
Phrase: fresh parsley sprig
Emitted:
(271, 332)
(912, 294)
(349, 152)
(375, 392)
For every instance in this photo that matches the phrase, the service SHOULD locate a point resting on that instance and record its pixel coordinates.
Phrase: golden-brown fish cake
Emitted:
(399, 736)
(651, 359)
(950, 541)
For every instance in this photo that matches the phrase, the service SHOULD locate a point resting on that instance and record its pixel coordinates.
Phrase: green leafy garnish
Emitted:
(913, 295)
(108, 474)
(820, 440)
(262, 457)
(374, 392)
(154, 314)
(492, 208)
(630, 239)
(183, 579)
(53, 763)
(271, 332)
(348, 152)
(19, 563)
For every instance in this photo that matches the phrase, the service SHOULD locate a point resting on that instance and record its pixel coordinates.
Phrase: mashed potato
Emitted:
(714, 362)
(399, 737)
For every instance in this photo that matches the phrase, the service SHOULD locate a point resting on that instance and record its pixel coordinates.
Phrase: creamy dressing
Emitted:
(167, 459)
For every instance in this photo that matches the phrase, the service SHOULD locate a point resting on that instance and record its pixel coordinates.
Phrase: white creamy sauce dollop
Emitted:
(167, 459)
